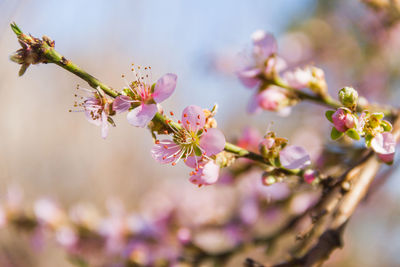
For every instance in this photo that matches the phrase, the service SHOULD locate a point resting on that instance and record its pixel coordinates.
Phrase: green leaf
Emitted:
(328, 115)
(387, 127)
(377, 115)
(335, 134)
(368, 139)
(352, 133)
(16, 29)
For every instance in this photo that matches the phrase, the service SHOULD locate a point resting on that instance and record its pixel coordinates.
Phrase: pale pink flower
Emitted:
(97, 109)
(273, 98)
(250, 139)
(193, 142)
(265, 61)
(384, 145)
(48, 212)
(206, 173)
(343, 120)
(294, 157)
(145, 97)
(299, 78)
(190, 140)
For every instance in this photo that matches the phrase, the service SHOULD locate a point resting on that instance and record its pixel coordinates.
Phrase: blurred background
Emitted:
(47, 151)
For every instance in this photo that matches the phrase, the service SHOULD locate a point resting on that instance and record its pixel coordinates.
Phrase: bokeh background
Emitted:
(47, 151)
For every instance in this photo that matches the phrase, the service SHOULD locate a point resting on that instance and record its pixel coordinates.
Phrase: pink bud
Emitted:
(309, 176)
(343, 120)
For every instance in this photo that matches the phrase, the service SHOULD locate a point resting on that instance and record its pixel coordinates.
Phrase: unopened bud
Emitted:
(348, 96)
(268, 179)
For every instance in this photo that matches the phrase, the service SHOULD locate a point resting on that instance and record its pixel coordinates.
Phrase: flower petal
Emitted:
(384, 145)
(193, 161)
(248, 77)
(122, 103)
(264, 44)
(207, 174)
(164, 88)
(271, 99)
(294, 157)
(212, 141)
(104, 125)
(142, 115)
(193, 118)
(164, 151)
(252, 106)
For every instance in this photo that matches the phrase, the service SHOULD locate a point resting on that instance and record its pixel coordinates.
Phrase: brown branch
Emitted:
(360, 179)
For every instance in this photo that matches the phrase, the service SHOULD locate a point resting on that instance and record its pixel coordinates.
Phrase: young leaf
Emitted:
(352, 133)
(328, 115)
(387, 127)
(335, 134)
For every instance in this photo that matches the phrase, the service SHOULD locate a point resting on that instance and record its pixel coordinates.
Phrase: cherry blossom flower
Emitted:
(97, 109)
(250, 139)
(265, 62)
(273, 99)
(299, 78)
(384, 145)
(294, 157)
(207, 174)
(343, 120)
(194, 143)
(144, 98)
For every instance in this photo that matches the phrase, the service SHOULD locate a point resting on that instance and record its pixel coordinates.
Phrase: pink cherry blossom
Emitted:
(384, 145)
(250, 139)
(299, 78)
(192, 141)
(273, 98)
(265, 62)
(343, 120)
(294, 157)
(144, 98)
(207, 174)
(97, 109)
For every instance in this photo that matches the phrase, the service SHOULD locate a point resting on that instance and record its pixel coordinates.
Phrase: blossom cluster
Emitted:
(195, 138)
(271, 75)
(377, 132)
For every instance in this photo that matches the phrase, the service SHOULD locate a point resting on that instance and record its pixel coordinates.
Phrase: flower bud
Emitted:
(268, 179)
(348, 96)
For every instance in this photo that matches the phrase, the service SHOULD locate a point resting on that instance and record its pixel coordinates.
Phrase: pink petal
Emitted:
(294, 157)
(252, 106)
(142, 115)
(193, 118)
(206, 175)
(164, 151)
(250, 138)
(193, 161)
(212, 141)
(339, 120)
(299, 78)
(104, 125)
(384, 145)
(122, 103)
(271, 98)
(264, 44)
(164, 88)
(248, 77)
